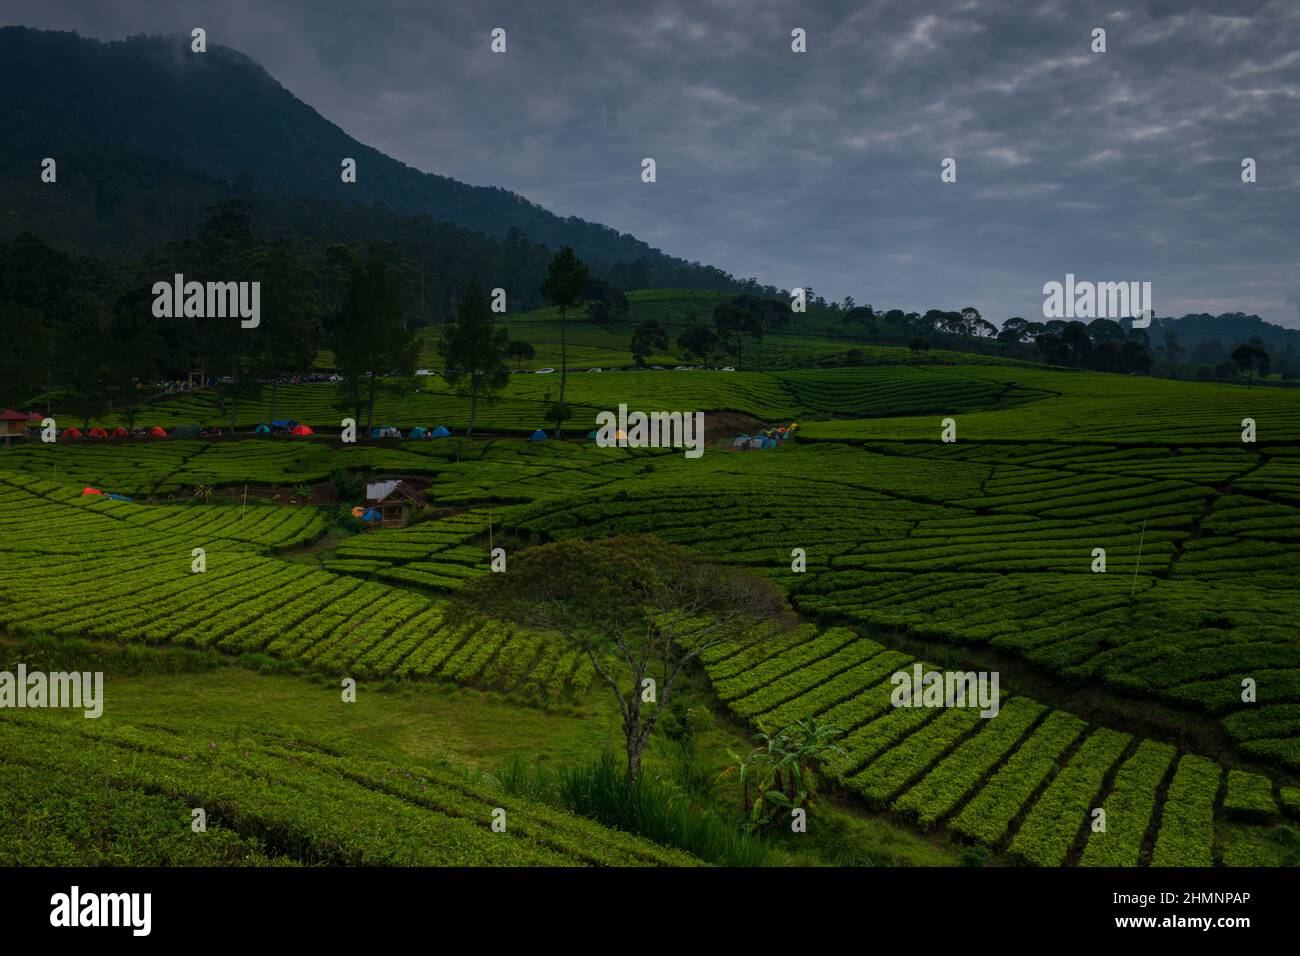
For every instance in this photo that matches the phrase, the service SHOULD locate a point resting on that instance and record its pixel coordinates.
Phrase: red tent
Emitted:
(158, 432)
(90, 491)
(302, 430)
(72, 433)
(120, 432)
(98, 433)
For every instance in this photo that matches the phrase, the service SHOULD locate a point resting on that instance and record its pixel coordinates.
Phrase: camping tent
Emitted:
(440, 432)
(538, 435)
(98, 433)
(158, 432)
(90, 491)
(186, 431)
(117, 497)
(262, 429)
(592, 434)
(740, 441)
(419, 431)
(302, 430)
(371, 515)
(120, 432)
(72, 433)
(358, 511)
(284, 423)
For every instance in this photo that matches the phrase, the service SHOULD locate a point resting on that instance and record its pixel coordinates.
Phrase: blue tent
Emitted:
(440, 432)
(592, 434)
(117, 497)
(282, 423)
(376, 432)
(262, 430)
(538, 435)
(371, 515)
(418, 431)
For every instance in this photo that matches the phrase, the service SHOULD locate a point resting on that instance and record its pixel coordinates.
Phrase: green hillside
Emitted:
(1124, 686)
(78, 792)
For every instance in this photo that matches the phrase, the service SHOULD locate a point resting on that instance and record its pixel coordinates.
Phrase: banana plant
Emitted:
(783, 770)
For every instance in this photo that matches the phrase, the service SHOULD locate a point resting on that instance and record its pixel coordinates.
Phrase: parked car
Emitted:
(728, 368)
(682, 368)
(545, 371)
(593, 370)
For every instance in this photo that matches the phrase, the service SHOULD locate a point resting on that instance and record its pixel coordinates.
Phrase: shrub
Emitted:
(1249, 797)
(349, 485)
(655, 809)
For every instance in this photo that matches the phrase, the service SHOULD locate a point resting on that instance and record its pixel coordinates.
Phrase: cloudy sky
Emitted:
(823, 168)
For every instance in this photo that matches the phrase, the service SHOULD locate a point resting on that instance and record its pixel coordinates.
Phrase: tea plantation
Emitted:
(1109, 543)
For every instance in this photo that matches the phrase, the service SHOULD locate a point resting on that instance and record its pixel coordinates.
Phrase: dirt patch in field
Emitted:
(317, 493)
(722, 427)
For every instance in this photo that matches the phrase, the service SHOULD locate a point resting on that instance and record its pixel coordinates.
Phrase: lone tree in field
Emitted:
(648, 338)
(641, 610)
(1252, 358)
(566, 277)
(519, 351)
(474, 352)
(735, 324)
(699, 341)
(370, 335)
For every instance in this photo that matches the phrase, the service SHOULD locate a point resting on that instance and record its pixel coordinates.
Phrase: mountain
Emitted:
(146, 132)
(1231, 329)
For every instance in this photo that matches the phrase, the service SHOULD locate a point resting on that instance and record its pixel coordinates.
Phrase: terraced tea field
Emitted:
(78, 794)
(1026, 780)
(1099, 537)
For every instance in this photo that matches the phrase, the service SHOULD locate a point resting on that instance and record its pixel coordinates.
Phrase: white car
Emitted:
(545, 371)
(728, 368)
(425, 371)
(593, 370)
(682, 368)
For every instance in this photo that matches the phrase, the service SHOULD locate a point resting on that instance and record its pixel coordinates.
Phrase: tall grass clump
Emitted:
(655, 809)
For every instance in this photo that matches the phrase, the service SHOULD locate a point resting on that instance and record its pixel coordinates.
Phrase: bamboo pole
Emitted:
(1139, 558)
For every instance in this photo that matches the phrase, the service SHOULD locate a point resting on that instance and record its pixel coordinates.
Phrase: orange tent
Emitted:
(72, 433)
(120, 432)
(158, 432)
(98, 433)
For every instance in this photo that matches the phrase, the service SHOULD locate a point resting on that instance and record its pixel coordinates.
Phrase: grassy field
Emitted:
(817, 337)
(983, 550)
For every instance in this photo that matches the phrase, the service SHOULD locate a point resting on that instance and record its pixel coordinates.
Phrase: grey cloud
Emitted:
(824, 168)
